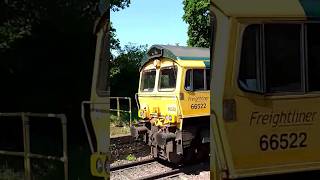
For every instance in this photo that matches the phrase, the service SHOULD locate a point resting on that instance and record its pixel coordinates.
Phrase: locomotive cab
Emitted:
(265, 98)
(173, 101)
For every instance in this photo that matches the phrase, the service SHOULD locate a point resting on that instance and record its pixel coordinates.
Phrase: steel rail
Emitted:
(129, 165)
(177, 171)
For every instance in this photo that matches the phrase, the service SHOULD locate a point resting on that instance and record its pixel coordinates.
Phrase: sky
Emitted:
(151, 22)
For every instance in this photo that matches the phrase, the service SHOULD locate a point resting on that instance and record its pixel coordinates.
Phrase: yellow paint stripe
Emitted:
(191, 63)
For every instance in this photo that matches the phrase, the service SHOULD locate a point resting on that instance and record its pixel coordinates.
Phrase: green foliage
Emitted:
(117, 5)
(114, 41)
(117, 121)
(196, 14)
(131, 157)
(124, 71)
(18, 19)
(12, 31)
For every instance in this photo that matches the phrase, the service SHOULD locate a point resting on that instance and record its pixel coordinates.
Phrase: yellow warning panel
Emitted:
(100, 165)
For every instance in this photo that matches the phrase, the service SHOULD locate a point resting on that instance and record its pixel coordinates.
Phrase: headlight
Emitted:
(99, 166)
(141, 114)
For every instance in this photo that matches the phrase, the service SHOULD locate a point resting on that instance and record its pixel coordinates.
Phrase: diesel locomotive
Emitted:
(174, 103)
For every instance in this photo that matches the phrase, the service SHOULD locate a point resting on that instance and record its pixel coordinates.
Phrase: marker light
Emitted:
(156, 63)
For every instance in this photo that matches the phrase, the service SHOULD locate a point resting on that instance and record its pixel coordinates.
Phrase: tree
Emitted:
(124, 72)
(47, 49)
(19, 18)
(114, 41)
(117, 5)
(196, 14)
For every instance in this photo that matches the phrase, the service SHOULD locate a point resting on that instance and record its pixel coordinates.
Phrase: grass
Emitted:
(79, 166)
(121, 125)
(115, 130)
(131, 157)
(10, 174)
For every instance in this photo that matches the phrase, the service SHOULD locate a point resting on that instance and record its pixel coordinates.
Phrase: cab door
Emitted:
(277, 104)
(196, 93)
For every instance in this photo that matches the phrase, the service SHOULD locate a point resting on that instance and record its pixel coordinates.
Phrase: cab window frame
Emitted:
(258, 63)
(102, 84)
(213, 29)
(159, 79)
(206, 88)
(142, 83)
(303, 59)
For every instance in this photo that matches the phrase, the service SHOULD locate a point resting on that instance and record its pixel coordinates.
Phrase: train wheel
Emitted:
(154, 152)
(171, 152)
(175, 158)
(202, 152)
(188, 153)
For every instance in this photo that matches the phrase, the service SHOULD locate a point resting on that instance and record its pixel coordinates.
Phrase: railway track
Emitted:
(151, 169)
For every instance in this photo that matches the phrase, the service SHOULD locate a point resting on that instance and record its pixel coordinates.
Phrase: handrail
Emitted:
(137, 101)
(85, 122)
(26, 141)
(118, 110)
(179, 104)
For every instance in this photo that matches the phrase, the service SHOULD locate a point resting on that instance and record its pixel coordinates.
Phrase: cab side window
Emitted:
(208, 73)
(283, 57)
(188, 81)
(249, 74)
(313, 54)
(197, 80)
(271, 58)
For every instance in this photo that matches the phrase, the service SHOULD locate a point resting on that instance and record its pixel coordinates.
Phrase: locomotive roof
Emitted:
(177, 53)
(270, 8)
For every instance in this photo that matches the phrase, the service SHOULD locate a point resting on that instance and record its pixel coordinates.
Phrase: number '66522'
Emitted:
(283, 141)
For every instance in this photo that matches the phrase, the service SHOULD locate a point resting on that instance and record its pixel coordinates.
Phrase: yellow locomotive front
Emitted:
(173, 101)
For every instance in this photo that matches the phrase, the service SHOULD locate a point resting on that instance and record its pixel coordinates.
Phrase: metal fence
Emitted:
(26, 154)
(118, 110)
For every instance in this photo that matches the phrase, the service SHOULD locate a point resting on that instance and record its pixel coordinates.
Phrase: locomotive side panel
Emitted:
(264, 108)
